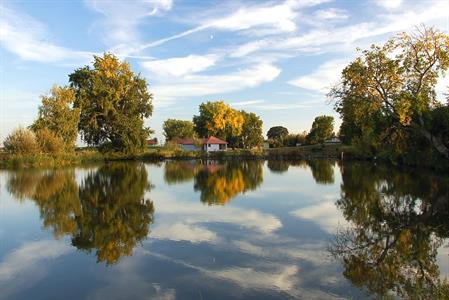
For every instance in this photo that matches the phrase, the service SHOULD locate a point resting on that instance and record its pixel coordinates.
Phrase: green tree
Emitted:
(58, 115)
(385, 95)
(292, 140)
(322, 129)
(276, 135)
(178, 128)
(220, 120)
(114, 102)
(251, 135)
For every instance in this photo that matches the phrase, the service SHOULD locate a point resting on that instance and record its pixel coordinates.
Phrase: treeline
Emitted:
(243, 129)
(322, 130)
(105, 104)
(240, 129)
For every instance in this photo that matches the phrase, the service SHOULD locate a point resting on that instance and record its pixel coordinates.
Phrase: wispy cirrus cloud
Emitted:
(268, 19)
(322, 78)
(202, 85)
(180, 66)
(30, 40)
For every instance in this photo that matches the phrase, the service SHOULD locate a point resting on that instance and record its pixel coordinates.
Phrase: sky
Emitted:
(275, 58)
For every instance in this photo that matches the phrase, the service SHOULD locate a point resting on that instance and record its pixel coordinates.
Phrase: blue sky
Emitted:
(275, 58)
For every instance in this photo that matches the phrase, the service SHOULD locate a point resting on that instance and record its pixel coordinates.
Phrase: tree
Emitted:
(218, 119)
(385, 94)
(276, 134)
(21, 141)
(291, 140)
(322, 129)
(178, 128)
(114, 102)
(251, 131)
(58, 116)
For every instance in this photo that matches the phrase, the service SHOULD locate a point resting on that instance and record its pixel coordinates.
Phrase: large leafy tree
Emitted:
(322, 129)
(178, 128)
(387, 96)
(276, 135)
(58, 115)
(114, 102)
(251, 135)
(218, 119)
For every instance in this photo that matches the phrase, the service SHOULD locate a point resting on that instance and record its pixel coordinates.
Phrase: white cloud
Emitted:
(322, 78)
(180, 66)
(270, 106)
(389, 4)
(215, 84)
(266, 19)
(331, 14)
(29, 39)
(122, 18)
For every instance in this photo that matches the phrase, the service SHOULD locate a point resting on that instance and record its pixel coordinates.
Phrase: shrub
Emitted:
(49, 142)
(21, 141)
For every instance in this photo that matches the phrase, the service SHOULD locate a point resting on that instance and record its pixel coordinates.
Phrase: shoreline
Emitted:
(310, 152)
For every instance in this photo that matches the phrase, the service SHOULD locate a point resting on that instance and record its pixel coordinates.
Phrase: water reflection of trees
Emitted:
(217, 182)
(322, 171)
(399, 220)
(107, 213)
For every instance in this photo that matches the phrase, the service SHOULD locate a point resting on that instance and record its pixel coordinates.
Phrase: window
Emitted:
(209, 145)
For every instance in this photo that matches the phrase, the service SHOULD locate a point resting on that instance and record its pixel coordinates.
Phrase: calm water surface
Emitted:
(208, 230)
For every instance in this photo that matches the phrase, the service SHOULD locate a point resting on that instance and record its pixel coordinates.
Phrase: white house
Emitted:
(210, 144)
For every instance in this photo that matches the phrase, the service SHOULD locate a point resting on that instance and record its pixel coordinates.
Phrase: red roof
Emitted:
(214, 140)
(152, 141)
(209, 140)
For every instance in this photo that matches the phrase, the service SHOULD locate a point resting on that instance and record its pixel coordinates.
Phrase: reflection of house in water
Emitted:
(210, 144)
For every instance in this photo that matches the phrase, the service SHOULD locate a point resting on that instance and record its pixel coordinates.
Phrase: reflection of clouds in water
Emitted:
(195, 213)
(275, 257)
(183, 232)
(325, 214)
(266, 275)
(281, 278)
(125, 282)
(26, 265)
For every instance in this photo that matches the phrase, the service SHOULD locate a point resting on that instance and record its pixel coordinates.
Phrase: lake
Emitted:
(209, 230)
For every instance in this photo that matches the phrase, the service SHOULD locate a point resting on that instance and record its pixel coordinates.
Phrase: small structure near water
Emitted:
(210, 144)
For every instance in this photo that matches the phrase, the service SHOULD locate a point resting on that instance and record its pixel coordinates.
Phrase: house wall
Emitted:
(213, 147)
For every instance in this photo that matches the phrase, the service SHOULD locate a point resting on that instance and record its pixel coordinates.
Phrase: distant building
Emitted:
(152, 142)
(334, 140)
(210, 144)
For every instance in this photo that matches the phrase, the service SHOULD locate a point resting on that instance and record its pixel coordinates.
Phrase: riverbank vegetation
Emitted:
(387, 101)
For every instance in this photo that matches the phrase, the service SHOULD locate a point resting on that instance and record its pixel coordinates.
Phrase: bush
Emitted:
(21, 141)
(49, 142)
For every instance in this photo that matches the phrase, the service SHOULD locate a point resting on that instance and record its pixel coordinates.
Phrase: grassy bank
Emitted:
(158, 154)
(85, 156)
